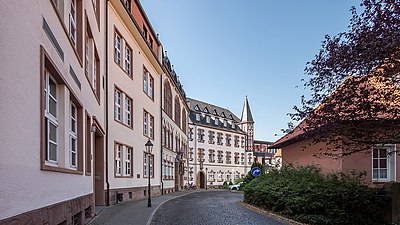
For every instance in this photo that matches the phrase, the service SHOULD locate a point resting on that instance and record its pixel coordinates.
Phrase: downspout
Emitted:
(106, 84)
(161, 123)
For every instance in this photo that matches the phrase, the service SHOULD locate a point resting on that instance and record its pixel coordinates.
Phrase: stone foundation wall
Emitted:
(133, 194)
(75, 211)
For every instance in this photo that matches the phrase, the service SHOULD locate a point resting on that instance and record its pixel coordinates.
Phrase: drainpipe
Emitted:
(161, 125)
(106, 90)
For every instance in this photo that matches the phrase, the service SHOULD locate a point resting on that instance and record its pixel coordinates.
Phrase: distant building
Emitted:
(217, 144)
(265, 155)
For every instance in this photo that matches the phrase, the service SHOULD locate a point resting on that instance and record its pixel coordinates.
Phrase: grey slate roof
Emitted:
(246, 113)
(197, 106)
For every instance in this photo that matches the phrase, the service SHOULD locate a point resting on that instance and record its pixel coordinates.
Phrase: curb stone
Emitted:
(162, 203)
(268, 213)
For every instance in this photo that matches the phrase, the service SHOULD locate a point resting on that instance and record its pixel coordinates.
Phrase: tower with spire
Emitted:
(247, 125)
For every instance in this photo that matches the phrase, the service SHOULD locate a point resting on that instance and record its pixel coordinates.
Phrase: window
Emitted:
(148, 165)
(73, 142)
(151, 43)
(236, 141)
(72, 22)
(219, 138)
(211, 137)
(128, 161)
(242, 140)
(144, 32)
(117, 48)
(228, 140)
(211, 156)
(168, 99)
(236, 157)
(200, 154)
(51, 105)
(117, 102)
(177, 112)
(190, 134)
(148, 125)
(216, 121)
(200, 135)
(123, 160)
(128, 111)
(184, 121)
(207, 119)
(148, 84)
(197, 117)
(118, 159)
(61, 126)
(122, 108)
(128, 60)
(249, 157)
(242, 159)
(220, 156)
(383, 162)
(92, 62)
(191, 154)
(228, 157)
(225, 123)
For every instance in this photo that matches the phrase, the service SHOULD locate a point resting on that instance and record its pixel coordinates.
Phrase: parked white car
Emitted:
(235, 187)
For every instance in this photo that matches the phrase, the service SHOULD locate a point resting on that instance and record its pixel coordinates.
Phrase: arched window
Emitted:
(177, 112)
(168, 99)
(184, 120)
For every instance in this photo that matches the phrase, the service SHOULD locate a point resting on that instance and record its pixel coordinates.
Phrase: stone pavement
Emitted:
(134, 213)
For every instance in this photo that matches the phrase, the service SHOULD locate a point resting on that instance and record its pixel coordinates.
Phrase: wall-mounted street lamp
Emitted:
(149, 148)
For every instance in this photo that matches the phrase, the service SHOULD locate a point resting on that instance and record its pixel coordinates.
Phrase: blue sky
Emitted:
(224, 50)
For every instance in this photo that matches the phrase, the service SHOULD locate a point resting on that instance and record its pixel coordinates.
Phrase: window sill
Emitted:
(60, 170)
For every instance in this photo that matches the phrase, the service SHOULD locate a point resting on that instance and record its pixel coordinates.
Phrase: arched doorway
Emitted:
(201, 180)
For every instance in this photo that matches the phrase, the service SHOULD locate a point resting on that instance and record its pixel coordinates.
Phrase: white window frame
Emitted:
(128, 111)
(118, 159)
(128, 161)
(128, 60)
(50, 118)
(197, 116)
(151, 126)
(390, 163)
(73, 136)
(117, 48)
(145, 81)
(72, 22)
(145, 123)
(207, 119)
(151, 86)
(118, 105)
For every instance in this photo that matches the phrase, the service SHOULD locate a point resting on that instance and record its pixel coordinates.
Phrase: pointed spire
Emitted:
(246, 113)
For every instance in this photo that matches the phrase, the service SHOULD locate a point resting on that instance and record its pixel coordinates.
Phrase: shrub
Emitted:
(225, 185)
(305, 195)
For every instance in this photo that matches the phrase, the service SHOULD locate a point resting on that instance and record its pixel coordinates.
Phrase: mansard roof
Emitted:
(199, 107)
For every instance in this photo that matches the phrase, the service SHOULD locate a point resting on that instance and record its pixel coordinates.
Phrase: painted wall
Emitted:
(307, 153)
(133, 87)
(25, 186)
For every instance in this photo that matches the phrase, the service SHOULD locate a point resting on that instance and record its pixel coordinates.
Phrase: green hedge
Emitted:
(305, 195)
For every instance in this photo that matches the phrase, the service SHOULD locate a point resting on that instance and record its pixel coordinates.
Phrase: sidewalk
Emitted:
(134, 213)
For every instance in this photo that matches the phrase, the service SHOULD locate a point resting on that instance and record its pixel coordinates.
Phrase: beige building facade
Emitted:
(53, 120)
(217, 146)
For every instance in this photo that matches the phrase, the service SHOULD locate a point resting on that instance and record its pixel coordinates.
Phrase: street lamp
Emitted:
(206, 177)
(149, 148)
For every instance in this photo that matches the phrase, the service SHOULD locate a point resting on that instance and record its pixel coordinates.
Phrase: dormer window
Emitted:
(144, 32)
(233, 125)
(197, 117)
(207, 119)
(225, 123)
(216, 121)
